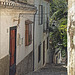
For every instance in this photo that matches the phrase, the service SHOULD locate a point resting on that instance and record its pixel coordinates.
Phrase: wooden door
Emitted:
(12, 69)
(43, 52)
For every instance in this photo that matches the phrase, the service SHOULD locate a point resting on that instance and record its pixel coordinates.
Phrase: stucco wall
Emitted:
(39, 35)
(6, 23)
(22, 50)
(71, 37)
(7, 17)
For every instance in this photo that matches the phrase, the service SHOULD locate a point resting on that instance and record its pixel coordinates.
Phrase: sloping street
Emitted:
(51, 70)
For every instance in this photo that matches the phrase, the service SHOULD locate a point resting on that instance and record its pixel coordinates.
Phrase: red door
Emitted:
(12, 51)
(43, 52)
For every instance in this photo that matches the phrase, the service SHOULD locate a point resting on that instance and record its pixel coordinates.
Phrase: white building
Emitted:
(23, 35)
(16, 36)
(41, 33)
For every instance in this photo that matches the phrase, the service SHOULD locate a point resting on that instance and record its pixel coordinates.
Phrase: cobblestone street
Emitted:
(51, 70)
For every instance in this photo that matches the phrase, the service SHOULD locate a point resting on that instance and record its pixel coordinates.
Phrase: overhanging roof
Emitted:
(14, 5)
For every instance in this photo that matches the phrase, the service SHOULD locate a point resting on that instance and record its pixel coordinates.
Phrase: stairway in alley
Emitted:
(51, 70)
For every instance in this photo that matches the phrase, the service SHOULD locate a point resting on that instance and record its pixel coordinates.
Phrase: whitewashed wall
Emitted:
(6, 23)
(7, 17)
(22, 50)
(39, 36)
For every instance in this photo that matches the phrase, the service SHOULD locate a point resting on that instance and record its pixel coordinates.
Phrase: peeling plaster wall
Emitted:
(22, 50)
(71, 37)
(6, 23)
(7, 17)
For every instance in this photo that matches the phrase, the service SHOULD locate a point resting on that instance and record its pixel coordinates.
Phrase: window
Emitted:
(47, 42)
(28, 32)
(39, 53)
(44, 19)
(40, 14)
(47, 22)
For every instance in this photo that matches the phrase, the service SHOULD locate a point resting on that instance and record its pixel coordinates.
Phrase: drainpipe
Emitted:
(34, 38)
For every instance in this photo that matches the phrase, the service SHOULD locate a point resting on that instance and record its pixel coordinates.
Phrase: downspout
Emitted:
(34, 38)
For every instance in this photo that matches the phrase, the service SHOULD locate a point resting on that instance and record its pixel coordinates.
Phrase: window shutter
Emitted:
(26, 35)
(40, 14)
(47, 22)
(28, 32)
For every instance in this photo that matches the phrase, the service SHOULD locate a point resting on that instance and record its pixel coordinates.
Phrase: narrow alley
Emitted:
(51, 70)
(37, 37)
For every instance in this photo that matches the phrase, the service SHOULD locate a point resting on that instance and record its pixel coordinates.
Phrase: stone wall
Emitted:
(25, 66)
(4, 66)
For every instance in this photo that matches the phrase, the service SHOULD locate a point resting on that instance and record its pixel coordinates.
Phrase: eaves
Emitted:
(17, 6)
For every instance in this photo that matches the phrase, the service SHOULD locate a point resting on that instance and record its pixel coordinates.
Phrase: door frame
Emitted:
(43, 52)
(12, 28)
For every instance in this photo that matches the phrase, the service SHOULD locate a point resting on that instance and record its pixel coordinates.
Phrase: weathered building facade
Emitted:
(71, 37)
(16, 36)
(41, 37)
(23, 36)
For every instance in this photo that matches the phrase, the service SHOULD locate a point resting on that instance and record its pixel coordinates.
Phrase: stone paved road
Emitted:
(50, 70)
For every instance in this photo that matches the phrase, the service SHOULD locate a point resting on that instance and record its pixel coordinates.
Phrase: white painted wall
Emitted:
(6, 23)
(22, 50)
(39, 35)
(7, 17)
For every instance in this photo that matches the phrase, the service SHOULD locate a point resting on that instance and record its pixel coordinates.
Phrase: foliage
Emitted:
(58, 24)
